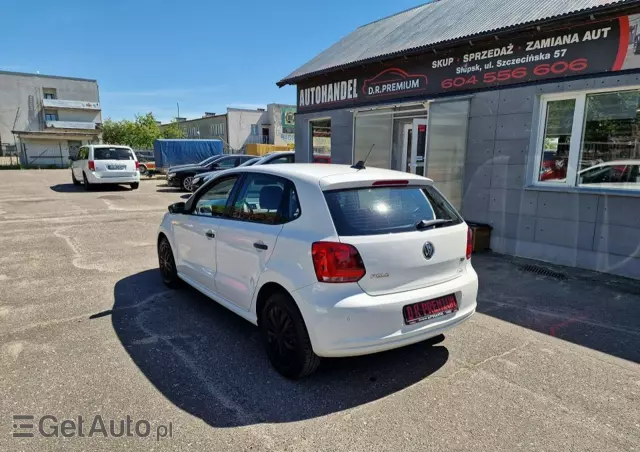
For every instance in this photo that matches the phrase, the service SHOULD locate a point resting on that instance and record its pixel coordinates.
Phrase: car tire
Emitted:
(85, 181)
(135, 185)
(186, 183)
(286, 339)
(74, 180)
(143, 170)
(167, 265)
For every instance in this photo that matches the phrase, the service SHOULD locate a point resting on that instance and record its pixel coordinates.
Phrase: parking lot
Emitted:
(87, 328)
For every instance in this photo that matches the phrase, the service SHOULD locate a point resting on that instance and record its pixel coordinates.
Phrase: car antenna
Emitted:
(360, 164)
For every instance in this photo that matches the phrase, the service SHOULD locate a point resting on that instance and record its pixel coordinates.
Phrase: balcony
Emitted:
(70, 104)
(78, 125)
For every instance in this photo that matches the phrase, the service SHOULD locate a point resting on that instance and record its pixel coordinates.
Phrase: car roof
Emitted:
(96, 146)
(232, 155)
(332, 175)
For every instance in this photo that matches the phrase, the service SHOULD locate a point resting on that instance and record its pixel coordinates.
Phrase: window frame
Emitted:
(577, 135)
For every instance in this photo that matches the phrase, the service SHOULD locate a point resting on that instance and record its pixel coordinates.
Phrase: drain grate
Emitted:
(543, 271)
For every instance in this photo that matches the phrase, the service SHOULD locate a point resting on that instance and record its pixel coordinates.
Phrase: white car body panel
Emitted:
(343, 319)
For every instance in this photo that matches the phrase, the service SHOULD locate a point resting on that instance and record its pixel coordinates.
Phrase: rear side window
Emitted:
(385, 210)
(112, 154)
(227, 163)
(266, 199)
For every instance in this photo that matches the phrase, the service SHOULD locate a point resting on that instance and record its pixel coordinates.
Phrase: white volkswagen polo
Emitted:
(327, 260)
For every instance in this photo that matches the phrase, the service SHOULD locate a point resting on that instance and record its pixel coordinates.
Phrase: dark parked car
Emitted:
(269, 159)
(204, 162)
(182, 177)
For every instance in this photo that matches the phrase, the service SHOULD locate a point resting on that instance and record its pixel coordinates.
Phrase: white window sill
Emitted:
(584, 190)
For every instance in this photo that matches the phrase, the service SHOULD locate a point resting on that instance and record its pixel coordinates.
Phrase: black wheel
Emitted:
(187, 183)
(73, 179)
(286, 339)
(167, 265)
(135, 185)
(143, 169)
(87, 185)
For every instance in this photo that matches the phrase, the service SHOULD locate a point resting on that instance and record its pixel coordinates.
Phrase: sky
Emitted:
(206, 55)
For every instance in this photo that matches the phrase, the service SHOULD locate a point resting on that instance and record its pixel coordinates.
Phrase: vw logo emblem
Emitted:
(428, 250)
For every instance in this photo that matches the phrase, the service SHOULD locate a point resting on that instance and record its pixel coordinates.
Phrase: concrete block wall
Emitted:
(593, 231)
(341, 136)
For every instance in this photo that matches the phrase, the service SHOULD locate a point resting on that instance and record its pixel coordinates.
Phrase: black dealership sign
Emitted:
(596, 47)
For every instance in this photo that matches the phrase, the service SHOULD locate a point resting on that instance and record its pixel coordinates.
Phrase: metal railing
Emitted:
(258, 139)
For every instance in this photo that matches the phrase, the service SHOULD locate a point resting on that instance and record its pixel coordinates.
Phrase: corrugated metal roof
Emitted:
(439, 22)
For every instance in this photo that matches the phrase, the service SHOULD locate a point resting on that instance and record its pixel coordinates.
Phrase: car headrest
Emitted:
(270, 197)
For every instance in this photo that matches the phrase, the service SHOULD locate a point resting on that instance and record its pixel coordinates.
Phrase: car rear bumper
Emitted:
(345, 321)
(98, 178)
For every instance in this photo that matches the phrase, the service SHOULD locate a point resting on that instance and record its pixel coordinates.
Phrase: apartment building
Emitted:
(46, 118)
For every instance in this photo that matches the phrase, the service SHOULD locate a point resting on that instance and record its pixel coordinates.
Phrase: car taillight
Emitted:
(92, 165)
(469, 243)
(337, 262)
(137, 165)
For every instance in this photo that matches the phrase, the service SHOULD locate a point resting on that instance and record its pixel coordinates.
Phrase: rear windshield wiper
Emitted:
(426, 224)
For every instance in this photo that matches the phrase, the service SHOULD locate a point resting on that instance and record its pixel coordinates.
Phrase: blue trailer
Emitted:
(183, 152)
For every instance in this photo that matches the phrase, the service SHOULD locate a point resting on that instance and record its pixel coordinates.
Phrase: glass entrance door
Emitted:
(418, 146)
(411, 139)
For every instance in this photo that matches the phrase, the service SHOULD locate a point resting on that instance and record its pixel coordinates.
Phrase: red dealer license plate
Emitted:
(430, 309)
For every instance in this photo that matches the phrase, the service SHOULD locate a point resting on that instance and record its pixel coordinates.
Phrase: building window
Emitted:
(590, 140)
(254, 129)
(50, 115)
(217, 129)
(49, 93)
(320, 131)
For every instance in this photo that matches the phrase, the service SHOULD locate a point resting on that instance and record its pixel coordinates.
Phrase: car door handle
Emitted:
(260, 246)
(210, 234)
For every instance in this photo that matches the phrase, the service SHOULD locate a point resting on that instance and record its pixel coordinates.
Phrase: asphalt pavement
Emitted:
(550, 362)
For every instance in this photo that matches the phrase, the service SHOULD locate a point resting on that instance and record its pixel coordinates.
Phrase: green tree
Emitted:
(139, 133)
(172, 131)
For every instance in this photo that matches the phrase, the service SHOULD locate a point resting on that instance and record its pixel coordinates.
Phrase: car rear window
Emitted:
(112, 154)
(385, 210)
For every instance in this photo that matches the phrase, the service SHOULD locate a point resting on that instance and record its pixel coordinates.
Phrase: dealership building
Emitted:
(525, 114)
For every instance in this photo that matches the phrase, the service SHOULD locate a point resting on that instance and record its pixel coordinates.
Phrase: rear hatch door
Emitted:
(114, 162)
(408, 237)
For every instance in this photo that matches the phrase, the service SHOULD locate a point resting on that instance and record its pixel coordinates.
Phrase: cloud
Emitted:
(166, 92)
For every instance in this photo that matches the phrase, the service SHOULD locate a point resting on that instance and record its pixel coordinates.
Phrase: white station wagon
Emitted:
(327, 260)
(99, 164)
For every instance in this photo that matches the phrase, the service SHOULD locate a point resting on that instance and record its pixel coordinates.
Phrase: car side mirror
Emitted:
(178, 207)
